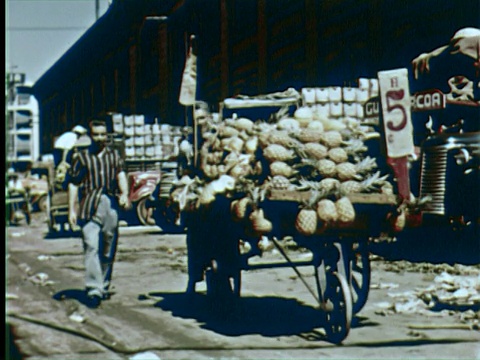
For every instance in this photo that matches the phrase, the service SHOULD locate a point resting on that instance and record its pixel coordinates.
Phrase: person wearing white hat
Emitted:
(465, 41)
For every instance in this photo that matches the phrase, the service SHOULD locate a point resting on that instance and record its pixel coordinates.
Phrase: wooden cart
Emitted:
(339, 253)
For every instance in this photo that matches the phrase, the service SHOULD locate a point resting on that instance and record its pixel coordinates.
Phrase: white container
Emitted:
(139, 130)
(350, 109)
(166, 139)
(321, 95)
(118, 128)
(139, 119)
(148, 139)
(129, 120)
(155, 129)
(130, 151)
(150, 151)
(117, 118)
(362, 95)
(373, 87)
(335, 94)
(165, 129)
(139, 151)
(349, 94)
(360, 112)
(147, 129)
(336, 109)
(322, 110)
(139, 140)
(157, 140)
(308, 96)
(129, 141)
(129, 130)
(364, 83)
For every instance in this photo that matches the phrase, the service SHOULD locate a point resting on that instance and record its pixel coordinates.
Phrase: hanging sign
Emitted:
(396, 110)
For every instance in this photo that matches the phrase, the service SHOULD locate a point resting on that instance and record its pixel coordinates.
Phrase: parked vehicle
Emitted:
(142, 186)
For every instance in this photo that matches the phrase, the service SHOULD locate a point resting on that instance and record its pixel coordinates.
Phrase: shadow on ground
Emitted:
(269, 316)
(433, 245)
(74, 294)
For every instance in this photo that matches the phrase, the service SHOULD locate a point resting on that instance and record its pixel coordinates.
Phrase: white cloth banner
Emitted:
(189, 80)
(396, 104)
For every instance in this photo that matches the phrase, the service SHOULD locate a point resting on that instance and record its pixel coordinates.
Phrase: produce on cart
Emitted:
(300, 173)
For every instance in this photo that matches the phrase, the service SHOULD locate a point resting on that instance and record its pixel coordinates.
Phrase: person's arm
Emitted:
(421, 63)
(72, 205)
(124, 200)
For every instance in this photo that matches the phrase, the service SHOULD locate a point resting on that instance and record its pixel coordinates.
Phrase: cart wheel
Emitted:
(144, 214)
(42, 204)
(359, 276)
(337, 307)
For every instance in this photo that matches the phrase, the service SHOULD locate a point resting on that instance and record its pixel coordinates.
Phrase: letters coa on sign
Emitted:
(396, 111)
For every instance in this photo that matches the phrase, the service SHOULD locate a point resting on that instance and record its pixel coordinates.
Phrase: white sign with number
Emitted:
(396, 103)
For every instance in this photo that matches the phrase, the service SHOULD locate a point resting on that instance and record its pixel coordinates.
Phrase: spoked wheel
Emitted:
(144, 213)
(359, 276)
(337, 307)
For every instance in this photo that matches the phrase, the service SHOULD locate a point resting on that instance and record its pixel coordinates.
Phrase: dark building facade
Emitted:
(131, 60)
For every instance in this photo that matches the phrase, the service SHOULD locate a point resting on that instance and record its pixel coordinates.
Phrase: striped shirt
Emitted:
(95, 175)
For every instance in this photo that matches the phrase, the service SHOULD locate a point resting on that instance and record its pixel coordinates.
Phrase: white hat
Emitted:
(79, 129)
(466, 32)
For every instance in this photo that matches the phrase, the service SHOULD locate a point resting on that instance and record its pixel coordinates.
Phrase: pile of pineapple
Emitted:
(305, 151)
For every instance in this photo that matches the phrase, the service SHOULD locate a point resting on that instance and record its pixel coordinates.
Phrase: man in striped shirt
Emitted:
(97, 178)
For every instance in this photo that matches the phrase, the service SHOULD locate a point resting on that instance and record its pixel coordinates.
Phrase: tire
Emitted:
(42, 204)
(143, 212)
(360, 273)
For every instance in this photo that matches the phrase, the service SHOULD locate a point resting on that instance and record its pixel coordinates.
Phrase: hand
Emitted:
(72, 220)
(124, 202)
(421, 64)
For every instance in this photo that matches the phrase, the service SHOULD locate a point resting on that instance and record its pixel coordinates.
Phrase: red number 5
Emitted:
(396, 95)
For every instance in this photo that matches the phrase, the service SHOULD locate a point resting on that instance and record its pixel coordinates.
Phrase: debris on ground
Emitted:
(41, 279)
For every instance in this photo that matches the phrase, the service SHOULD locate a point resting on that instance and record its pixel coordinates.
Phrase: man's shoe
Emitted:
(93, 301)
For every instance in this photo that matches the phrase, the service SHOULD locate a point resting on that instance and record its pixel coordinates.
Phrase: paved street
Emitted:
(149, 316)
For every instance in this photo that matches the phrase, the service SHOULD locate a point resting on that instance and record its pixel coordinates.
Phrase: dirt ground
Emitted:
(150, 316)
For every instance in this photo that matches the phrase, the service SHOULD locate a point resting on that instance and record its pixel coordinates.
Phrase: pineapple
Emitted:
(288, 124)
(326, 168)
(310, 135)
(279, 182)
(365, 186)
(331, 139)
(243, 124)
(337, 155)
(275, 152)
(306, 221)
(345, 210)
(281, 168)
(327, 211)
(349, 171)
(281, 138)
(346, 171)
(328, 185)
(225, 131)
(315, 125)
(315, 150)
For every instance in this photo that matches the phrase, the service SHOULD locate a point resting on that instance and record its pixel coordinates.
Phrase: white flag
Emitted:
(189, 80)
